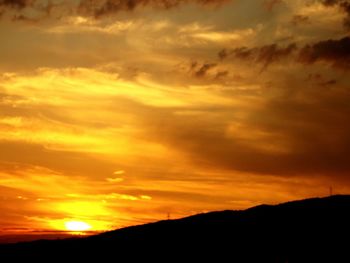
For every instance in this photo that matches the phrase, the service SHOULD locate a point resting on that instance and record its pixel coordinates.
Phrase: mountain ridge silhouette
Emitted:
(310, 230)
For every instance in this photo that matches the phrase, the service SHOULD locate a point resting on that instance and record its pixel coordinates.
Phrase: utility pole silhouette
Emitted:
(330, 191)
(168, 216)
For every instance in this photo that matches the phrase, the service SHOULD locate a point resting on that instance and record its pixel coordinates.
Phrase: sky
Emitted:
(121, 112)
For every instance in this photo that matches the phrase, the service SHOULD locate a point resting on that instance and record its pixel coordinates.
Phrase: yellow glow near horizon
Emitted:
(72, 223)
(77, 226)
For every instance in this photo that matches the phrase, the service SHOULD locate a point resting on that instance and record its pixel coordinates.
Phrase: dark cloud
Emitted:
(208, 72)
(112, 6)
(301, 132)
(19, 4)
(202, 70)
(299, 20)
(221, 74)
(66, 162)
(265, 54)
(270, 4)
(335, 52)
(320, 80)
(344, 5)
(290, 135)
(271, 53)
(224, 53)
(92, 7)
(243, 52)
(15, 7)
(329, 82)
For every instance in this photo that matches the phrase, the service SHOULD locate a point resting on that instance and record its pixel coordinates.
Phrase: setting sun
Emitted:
(77, 226)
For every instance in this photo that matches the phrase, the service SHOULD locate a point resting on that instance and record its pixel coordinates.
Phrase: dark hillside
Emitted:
(312, 230)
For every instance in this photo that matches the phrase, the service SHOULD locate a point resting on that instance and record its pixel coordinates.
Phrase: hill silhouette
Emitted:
(311, 230)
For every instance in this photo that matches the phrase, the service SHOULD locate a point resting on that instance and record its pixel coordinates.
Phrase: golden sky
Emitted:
(119, 112)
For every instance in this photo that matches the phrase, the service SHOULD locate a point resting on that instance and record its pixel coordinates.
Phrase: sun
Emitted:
(77, 226)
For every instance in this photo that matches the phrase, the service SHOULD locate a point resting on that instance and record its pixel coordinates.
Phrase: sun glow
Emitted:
(77, 226)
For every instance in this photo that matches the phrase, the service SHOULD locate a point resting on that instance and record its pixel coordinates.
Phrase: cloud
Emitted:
(300, 20)
(221, 74)
(335, 52)
(344, 5)
(283, 135)
(270, 4)
(265, 54)
(114, 180)
(113, 6)
(22, 8)
(269, 54)
(16, 3)
(73, 163)
(200, 70)
(320, 80)
(119, 172)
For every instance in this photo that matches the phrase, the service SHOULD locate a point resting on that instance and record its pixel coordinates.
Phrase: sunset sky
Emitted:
(120, 112)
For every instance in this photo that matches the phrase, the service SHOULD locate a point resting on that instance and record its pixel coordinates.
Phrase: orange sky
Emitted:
(116, 113)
